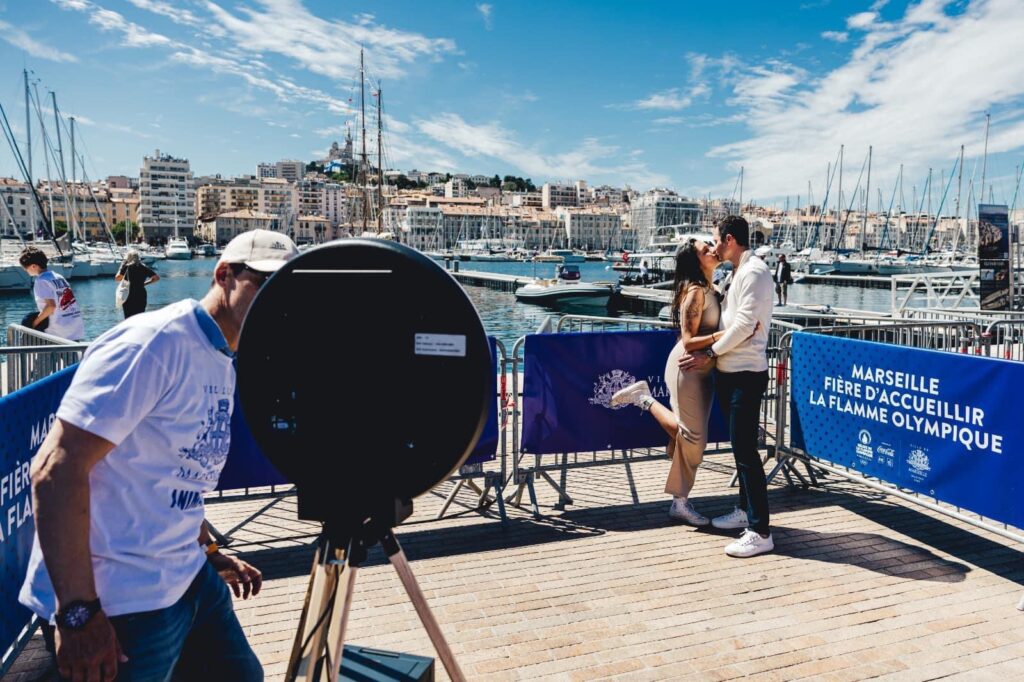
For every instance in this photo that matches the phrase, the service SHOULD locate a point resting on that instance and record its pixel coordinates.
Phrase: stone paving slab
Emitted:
(859, 587)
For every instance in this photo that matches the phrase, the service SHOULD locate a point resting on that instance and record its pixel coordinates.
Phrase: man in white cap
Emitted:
(122, 563)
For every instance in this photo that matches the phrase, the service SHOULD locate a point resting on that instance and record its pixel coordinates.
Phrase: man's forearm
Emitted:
(60, 493)
(45, 312)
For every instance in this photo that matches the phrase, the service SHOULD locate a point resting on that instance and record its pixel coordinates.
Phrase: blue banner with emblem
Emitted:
(568, 380)
(938, 423)
(25, 418)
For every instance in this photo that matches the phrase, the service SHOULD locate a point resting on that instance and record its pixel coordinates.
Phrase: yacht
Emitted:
(177, 249)
(566, 288)
(14, 278)
(560, 256)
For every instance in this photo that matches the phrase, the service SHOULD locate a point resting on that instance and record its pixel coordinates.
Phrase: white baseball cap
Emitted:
(261, 250)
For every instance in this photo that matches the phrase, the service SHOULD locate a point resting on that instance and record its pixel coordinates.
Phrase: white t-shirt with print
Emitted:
(66, 320)
(156, 388)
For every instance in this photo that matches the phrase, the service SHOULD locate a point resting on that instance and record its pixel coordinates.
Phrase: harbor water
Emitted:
(502, 316)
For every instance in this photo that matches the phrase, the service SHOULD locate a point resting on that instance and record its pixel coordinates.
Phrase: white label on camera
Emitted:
(453, 345)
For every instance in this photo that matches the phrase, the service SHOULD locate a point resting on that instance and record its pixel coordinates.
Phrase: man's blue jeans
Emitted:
(739, 397)
(196, 638)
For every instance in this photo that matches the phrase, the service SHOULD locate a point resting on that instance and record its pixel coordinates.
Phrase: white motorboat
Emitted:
(566, 288)
(14, 278)
(177, 249)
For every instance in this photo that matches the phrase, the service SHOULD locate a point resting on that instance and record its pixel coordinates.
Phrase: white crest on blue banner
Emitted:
(919, 464)
(609, 384)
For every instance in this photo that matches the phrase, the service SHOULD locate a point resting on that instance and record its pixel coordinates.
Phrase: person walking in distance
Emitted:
(783, 277)
(122, 564)
(55, 299)
(741, 378)
(695, 313)
(139, 276)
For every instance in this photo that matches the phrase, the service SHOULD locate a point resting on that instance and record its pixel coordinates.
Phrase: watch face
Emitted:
(76, 616)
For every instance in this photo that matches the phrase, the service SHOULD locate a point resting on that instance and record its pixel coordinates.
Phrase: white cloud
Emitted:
(669, 120)
(178, 15)
(915, 89)
(18, 38)
(493, 141)
(677, 99)
(836, 36)
(861, 20)
(326, 47)
(485, 11)
(108, 20)
(670, 99)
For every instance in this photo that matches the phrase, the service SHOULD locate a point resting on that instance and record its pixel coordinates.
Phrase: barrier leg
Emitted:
(1020, 605)
(533, 495)
(222, 540)
(472, 484)
(563, 497)
(564, 477)
(499, 496)
(629, 477)
(451, 498)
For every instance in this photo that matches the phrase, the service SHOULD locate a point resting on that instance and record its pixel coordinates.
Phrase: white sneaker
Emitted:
(750, 544)
(638, 394)
(682, 510)
(735, 519)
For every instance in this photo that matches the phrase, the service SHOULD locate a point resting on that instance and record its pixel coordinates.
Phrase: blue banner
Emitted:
(25, 419)
(569, 378)
(937, 423)
(487, 447)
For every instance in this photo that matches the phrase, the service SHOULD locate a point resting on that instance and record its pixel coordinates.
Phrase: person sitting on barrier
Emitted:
(695, 313)
(741, 379)
(54, 297)
(118, 486)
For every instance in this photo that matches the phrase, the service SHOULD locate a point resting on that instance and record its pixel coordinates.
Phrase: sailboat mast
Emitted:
(74, 178)
(362, 108)
(63, 174)
(984, 158)
(380, 162)
(46, 160)
(28, 150)
(839, 206)
(867, 198)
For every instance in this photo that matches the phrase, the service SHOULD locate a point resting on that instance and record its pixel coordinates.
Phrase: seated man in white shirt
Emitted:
(118, 488)
(741, 378)
(54, 297)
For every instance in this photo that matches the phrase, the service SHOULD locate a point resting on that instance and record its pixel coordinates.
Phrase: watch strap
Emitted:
(75, 615)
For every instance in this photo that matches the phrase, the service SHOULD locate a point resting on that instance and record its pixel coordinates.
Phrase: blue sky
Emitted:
(677, 94)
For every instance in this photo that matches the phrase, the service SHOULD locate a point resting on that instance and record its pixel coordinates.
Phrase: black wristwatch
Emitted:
(77, 614)
(710, 352)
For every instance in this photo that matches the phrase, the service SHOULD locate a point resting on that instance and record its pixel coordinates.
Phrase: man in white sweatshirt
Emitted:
(741, 380)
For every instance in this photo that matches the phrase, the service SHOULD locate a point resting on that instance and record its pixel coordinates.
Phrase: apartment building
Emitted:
(19, 216)
(660, 208)
(554, 195)
(221, 229)
(591, 228)
(313, 229)
(166, 198)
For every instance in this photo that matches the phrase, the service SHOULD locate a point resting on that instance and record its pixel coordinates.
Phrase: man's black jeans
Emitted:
(739, 396)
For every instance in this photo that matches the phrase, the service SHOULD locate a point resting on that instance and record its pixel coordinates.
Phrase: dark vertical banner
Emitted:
(25, 418)
(568, 380)
(994, 256)
(937, 423)
(487, 447)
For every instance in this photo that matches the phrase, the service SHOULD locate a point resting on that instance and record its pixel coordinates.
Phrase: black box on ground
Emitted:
(361, 664)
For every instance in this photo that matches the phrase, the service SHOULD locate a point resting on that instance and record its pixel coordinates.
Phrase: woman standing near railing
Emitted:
(139, 276)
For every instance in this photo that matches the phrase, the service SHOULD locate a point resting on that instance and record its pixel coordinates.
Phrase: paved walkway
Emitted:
(859, 587)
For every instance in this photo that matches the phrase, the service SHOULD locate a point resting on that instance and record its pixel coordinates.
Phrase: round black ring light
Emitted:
(364, 373)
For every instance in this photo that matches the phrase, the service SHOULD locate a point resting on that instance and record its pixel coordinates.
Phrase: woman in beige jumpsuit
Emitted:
(695, 311)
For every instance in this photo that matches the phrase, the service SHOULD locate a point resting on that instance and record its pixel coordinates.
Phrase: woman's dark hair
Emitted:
(30, 255)
(688, 272)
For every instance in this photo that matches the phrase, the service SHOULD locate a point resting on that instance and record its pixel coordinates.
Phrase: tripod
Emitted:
(320, 639)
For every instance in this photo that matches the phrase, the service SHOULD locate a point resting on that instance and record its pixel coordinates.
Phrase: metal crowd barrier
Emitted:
(523, 477)
(948, 336)
(1004, 338)
(31, 355)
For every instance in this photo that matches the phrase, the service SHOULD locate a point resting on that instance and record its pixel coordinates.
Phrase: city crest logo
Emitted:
(608, 384)
(918, 463)
(864, 444)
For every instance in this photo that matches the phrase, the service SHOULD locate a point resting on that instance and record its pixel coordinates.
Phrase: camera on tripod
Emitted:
(364, 374)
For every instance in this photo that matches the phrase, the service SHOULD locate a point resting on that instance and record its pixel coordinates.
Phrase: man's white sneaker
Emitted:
(682, 510)
(635, 394)
(737, 518)
(750, 544)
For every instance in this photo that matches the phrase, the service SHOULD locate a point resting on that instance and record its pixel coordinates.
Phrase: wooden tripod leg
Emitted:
(322, 582)
(339, 621)
(412, 588)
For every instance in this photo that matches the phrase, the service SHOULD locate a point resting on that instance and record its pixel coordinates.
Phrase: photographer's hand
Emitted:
(243, 578)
